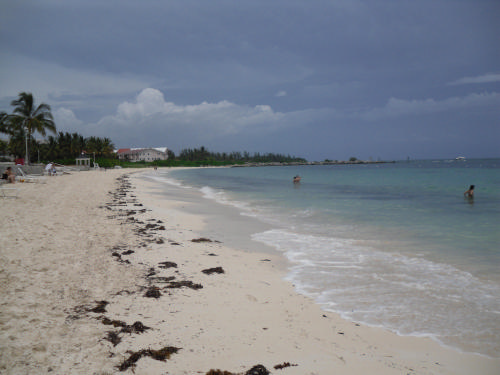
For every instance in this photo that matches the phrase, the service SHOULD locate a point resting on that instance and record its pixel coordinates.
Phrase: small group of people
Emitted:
(9, 175)
(51, 169)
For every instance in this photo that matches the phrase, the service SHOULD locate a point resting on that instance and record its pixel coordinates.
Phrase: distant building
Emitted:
(142, 154)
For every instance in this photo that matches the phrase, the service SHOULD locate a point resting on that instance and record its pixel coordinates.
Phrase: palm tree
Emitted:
(17, 142)
(107, 147)
(77, 144)
(51, 148)
(99, 146)
(4, 123)
(33, 119)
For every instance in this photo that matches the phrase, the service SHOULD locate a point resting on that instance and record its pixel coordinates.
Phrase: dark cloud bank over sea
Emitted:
(318, 79)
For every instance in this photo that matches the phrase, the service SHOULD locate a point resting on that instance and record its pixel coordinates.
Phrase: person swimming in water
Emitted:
(297, 179)
(469, 193)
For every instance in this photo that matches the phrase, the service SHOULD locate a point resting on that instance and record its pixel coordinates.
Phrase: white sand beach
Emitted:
(85, 256)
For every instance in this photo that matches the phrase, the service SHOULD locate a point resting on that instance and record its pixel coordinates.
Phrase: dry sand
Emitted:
(68, 244)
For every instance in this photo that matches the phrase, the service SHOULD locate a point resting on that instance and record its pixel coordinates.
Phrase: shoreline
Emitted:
(117, 250)
(345, 256)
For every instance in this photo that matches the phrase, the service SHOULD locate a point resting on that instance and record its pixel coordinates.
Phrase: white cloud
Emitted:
(281, 93)
(151, 120)
(67, 120)
(487, 78)
(400, 107)
(150, 110)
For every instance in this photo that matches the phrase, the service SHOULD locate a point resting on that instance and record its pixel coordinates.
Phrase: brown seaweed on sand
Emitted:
(113, 337)
(155, 227)
(151, 272)
(160, 355)
(284, 365)
(184, 284)
(203, 239)
(100, 308)
(119, 257)
(162, 279)
(114, 323)
(83, 309)
(210, 271)
(255, 370)
(153, 292)
(137, 327)
(166, 265)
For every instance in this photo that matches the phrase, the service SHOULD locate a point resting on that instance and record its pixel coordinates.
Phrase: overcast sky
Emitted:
(321, 79)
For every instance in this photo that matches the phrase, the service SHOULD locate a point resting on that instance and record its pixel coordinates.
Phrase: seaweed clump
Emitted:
(119, 258)
(137, 327)
(284, 365)
(100, 308)
(160, 355)
(255, 370)
(113, 337)
(153, 292)
(167, 264)
(185, 283)
(203, 239)
(210, 271)
(82, 310)
(258, 370)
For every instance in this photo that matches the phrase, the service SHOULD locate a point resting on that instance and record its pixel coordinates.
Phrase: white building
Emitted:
(143, 154)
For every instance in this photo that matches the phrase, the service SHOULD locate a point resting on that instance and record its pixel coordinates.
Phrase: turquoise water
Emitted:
(392, 245)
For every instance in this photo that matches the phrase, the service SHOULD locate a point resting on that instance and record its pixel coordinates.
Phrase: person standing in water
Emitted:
(469, 193)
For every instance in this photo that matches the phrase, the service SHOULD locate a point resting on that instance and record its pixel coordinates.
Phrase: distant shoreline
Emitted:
(341, 162)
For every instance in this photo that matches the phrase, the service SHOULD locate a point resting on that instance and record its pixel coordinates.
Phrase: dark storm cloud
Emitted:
(322, 79)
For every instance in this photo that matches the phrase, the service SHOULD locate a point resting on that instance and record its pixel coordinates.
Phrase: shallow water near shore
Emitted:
(389, 245)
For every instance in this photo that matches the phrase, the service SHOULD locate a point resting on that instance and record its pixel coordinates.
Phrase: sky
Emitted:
(319, 79)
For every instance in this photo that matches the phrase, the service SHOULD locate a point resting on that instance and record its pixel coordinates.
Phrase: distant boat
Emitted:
(460, 158)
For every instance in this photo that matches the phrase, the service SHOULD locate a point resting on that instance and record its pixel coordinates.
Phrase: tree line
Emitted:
(27, 119)
(202, 154)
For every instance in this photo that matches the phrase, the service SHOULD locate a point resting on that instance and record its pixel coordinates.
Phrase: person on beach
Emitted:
(469, 193)
(9, 175)
(48, 168)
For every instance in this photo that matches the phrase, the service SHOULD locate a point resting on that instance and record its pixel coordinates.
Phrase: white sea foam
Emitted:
(411, 296)
(222, 198)
(166, 179)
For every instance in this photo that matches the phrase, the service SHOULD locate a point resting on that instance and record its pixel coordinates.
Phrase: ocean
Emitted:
(391, 245)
